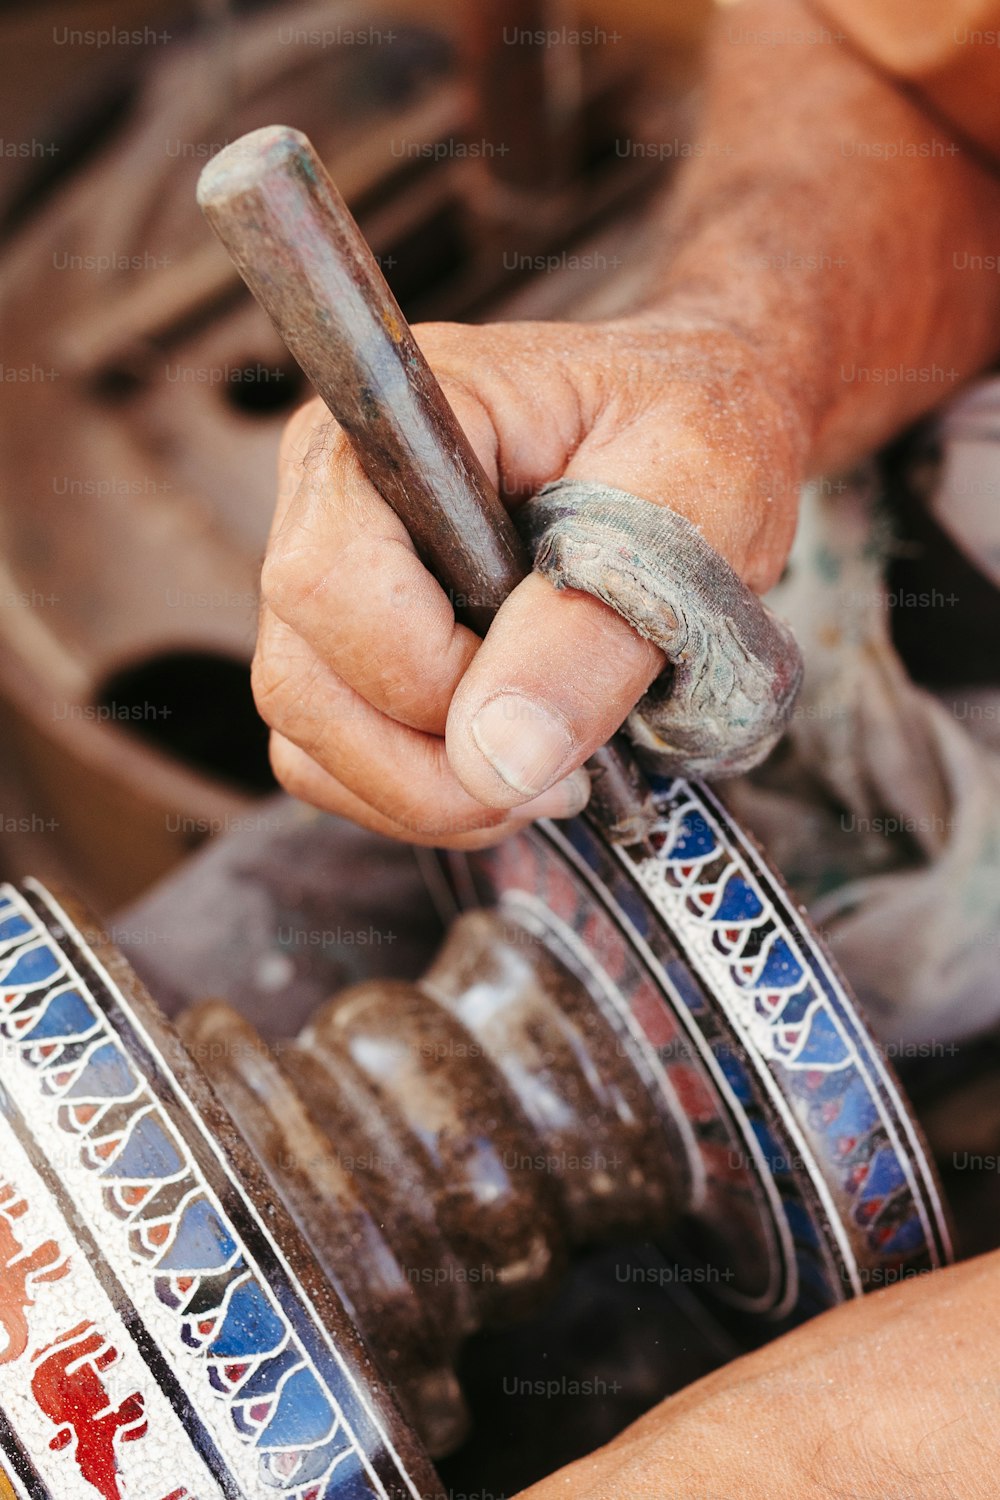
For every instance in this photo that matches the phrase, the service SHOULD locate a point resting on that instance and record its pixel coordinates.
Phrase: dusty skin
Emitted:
(789, 260)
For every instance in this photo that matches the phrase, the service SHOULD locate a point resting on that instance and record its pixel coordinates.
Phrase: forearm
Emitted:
(892, 1396)
(837, 227)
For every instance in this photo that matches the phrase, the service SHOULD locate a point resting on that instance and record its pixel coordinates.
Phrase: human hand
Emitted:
(387, 711)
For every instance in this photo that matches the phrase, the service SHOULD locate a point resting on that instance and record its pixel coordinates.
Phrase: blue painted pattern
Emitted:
(253, 1365)
(753, 950)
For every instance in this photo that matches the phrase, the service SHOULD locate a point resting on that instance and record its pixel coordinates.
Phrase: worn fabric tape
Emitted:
(734, 667)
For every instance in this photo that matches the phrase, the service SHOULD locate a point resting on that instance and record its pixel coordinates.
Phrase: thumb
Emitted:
(555, 677)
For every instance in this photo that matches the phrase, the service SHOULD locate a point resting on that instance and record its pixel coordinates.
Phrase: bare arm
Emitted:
(817, 292)
(795, 259)
(892, 1398)
(838, 226)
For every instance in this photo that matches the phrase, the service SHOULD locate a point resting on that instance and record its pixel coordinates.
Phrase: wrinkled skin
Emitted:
(792, 261)
(361, 667)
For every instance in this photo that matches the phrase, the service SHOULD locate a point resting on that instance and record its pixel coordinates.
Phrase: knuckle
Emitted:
(270, 681)
(301, 565)
(280, 574)
(293, 571)
(286, 763)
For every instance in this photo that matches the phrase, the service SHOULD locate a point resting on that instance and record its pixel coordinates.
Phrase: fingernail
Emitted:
(525, 742)
(564, 800)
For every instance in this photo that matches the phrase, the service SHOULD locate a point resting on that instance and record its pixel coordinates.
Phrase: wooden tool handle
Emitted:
(271, 202)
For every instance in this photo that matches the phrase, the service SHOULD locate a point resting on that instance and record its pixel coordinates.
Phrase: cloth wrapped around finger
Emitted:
(733, 667)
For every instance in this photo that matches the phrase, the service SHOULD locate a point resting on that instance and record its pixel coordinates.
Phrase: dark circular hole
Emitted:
(197, 706)
(258, 389)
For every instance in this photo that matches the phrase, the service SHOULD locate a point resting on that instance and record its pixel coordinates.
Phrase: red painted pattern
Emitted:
(69, 1387)
(21, 1271)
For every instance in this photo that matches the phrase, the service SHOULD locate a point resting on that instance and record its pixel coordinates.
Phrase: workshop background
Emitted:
(144, 394)
(139, 454)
